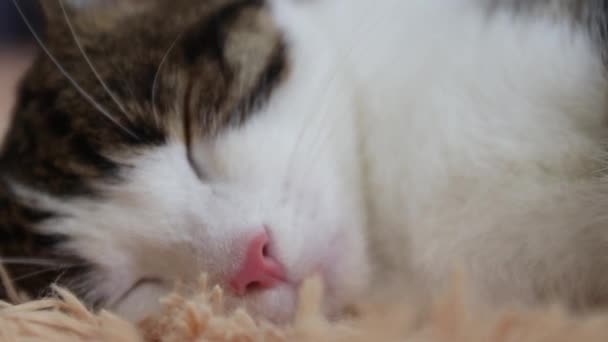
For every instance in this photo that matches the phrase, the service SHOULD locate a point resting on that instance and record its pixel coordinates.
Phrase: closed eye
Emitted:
(188, 134)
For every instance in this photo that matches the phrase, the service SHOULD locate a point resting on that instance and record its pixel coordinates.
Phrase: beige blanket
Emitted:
(202, 318)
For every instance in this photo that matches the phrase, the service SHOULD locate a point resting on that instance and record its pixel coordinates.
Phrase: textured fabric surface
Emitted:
(201, 318)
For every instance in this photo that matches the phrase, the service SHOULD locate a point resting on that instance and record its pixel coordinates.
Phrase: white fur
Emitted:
(434, 130)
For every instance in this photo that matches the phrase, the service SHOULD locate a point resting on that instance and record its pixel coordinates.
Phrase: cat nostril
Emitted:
(259, 270)
(253, 286)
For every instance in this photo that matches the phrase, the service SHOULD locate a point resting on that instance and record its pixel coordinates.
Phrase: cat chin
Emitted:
(276, 305)
(141, 302)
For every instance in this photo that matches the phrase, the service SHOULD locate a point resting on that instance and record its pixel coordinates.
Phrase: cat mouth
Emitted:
(138, 284)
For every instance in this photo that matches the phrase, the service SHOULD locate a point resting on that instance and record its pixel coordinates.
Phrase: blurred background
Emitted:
(16, 50)
(12, 29)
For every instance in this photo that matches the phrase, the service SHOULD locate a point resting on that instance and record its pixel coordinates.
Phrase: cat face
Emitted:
(173, 138)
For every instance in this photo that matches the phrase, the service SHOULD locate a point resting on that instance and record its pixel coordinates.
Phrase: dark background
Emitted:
(12, 29)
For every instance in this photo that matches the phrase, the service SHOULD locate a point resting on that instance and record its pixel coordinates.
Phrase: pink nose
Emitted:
(259, 270)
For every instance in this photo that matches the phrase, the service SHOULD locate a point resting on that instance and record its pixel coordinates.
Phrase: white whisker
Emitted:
(160, 66)
(35, 262)
(323, 132)
(90, 64)
(82, 92)
(314, 126)
(35, 273)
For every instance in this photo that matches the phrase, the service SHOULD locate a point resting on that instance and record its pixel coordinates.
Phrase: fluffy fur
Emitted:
(393, 141)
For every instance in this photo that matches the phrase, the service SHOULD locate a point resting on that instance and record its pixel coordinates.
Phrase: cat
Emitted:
(261, 142)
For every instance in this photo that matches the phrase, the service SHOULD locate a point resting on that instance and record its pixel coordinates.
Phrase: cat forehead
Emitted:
(212, 68)
(214, 59)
